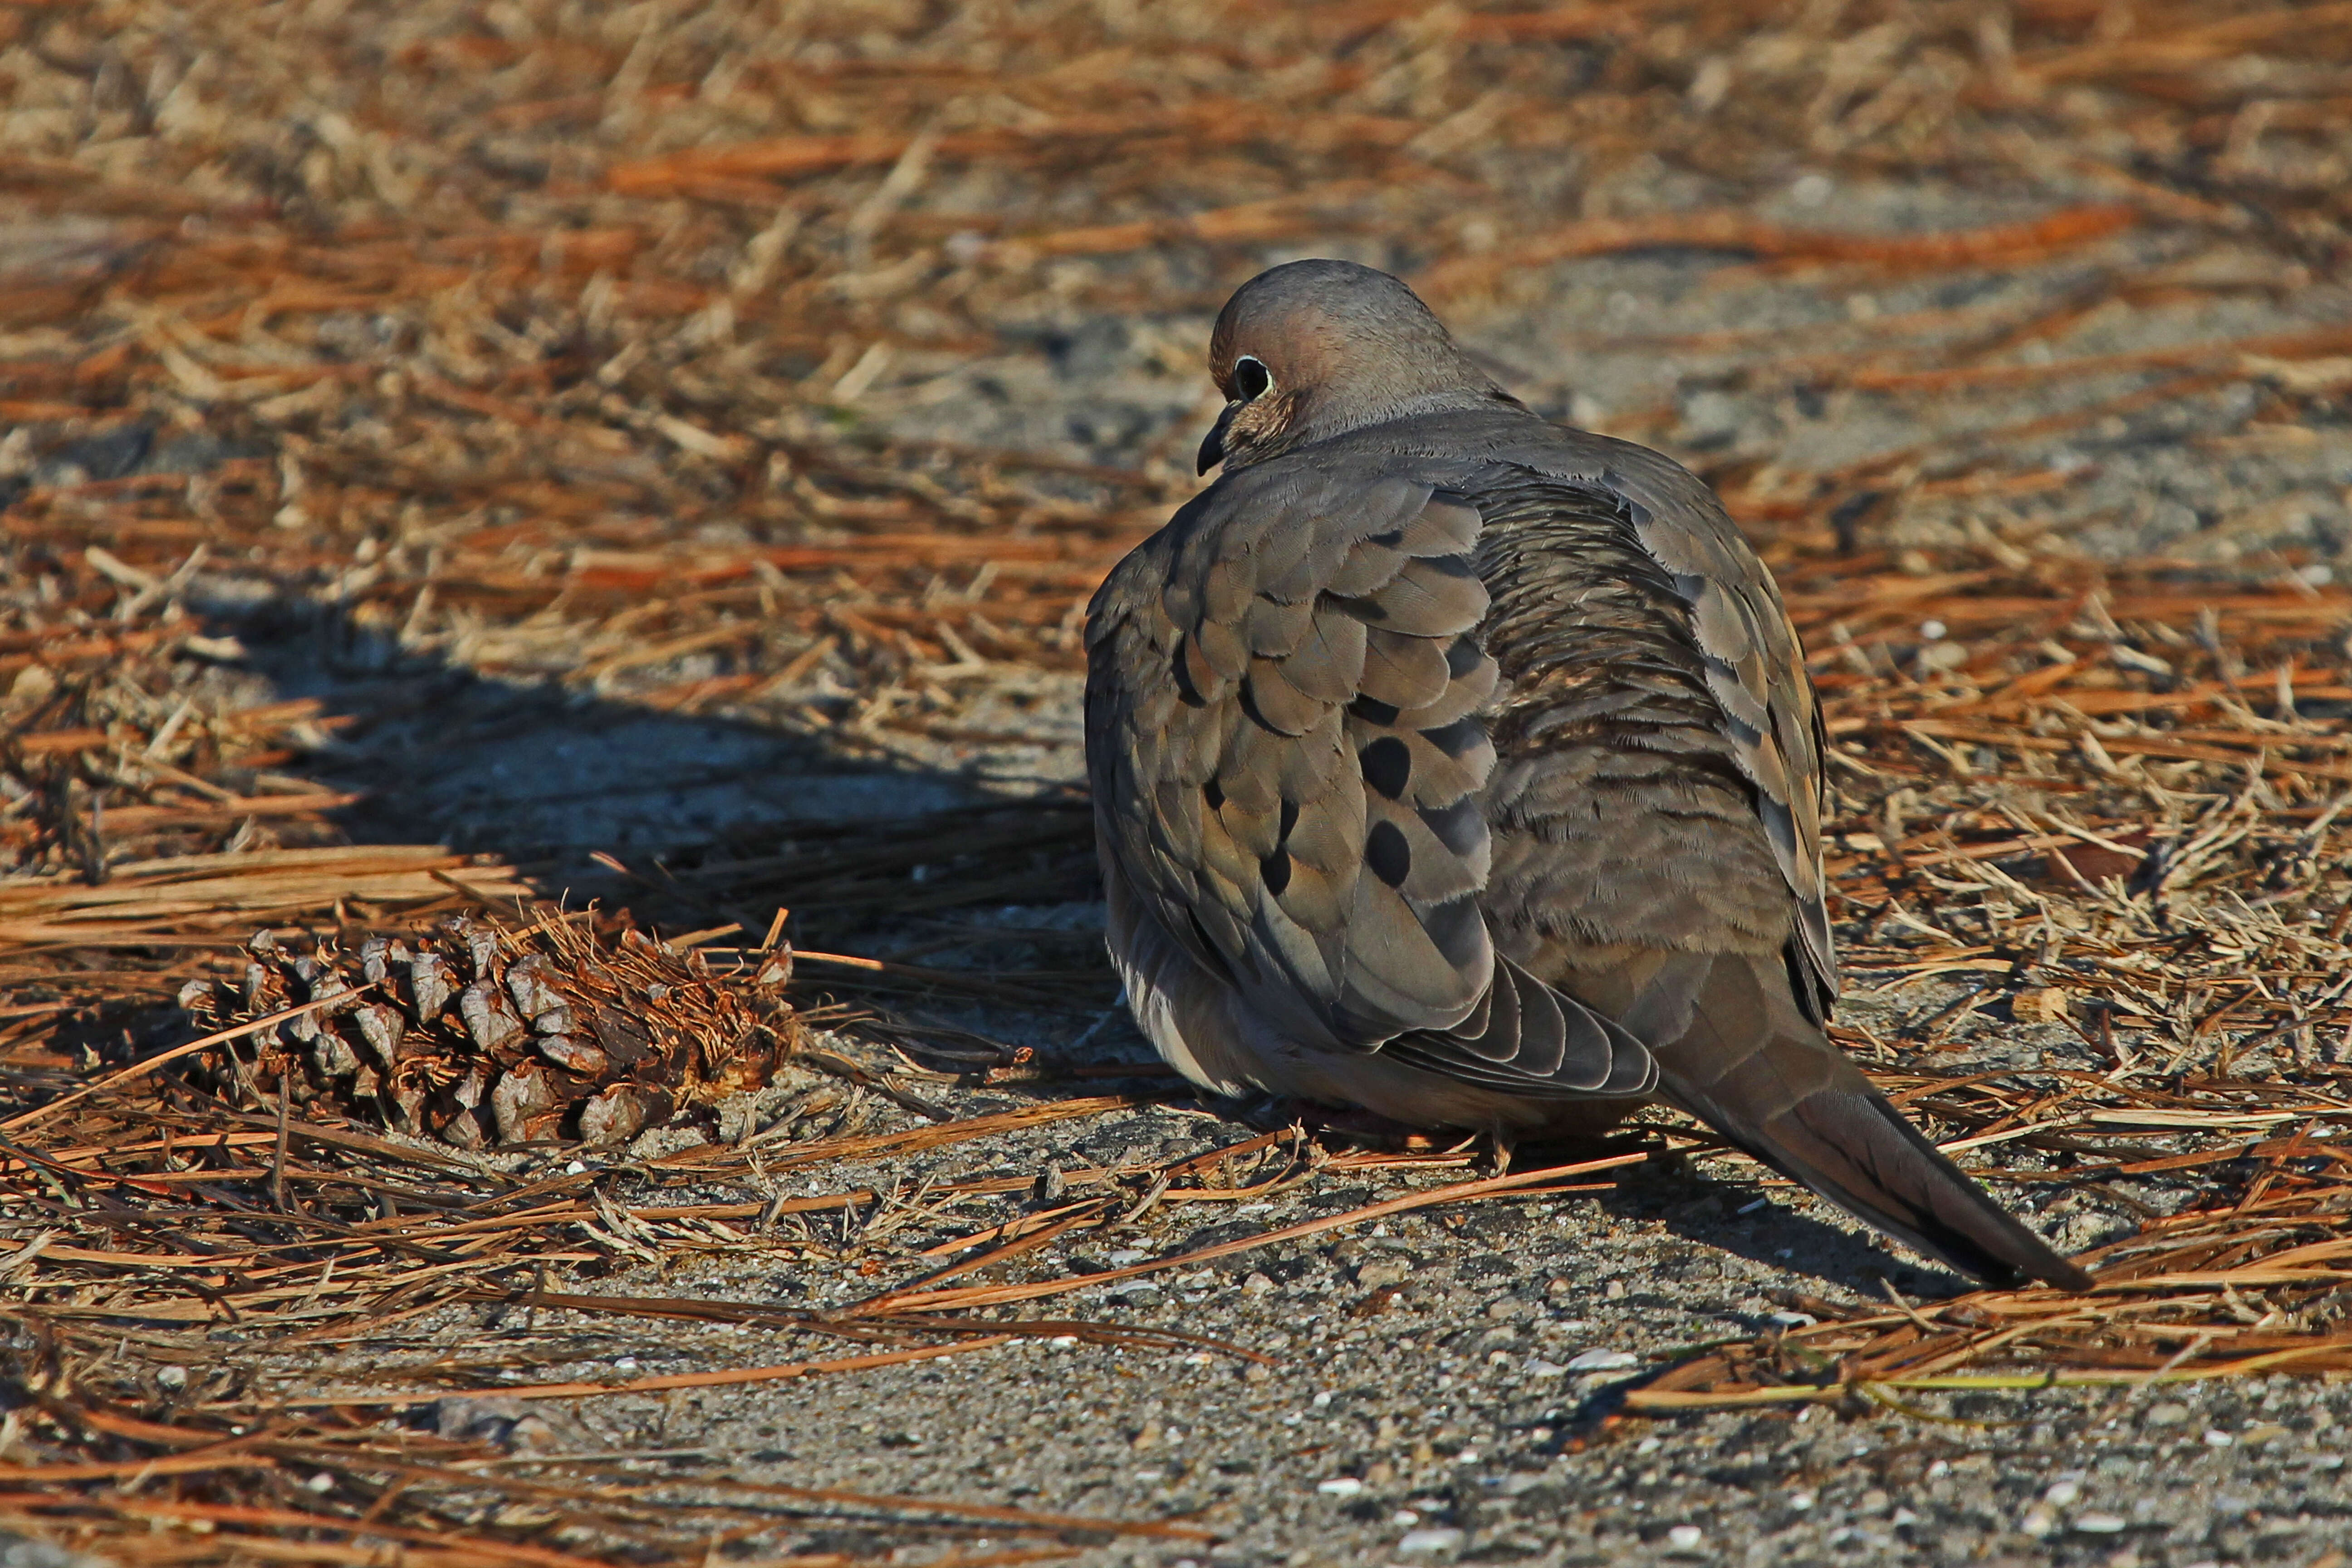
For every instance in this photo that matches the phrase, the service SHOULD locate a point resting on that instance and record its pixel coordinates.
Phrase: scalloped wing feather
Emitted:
(1284, 700)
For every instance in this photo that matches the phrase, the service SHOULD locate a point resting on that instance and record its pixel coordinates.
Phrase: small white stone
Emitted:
(172, 1376)
(2217, 1438)
(1932, 631)
(1944, 655)
(2062, 1493)
(1602, 1361)
(2039, 1521)
(1649, 1446)
(1901, 1516)
(1420, 1541)
(1538, 1367)
(1793, 1320)
(1063, 1342)
(2099, 1523)
(321, 1483)
(626, 1364)
(1466, 1457)
(1801, 1502)
(1405, 1518)
(574, 1169)
(1125, 1255)
(1685, 1537)
(1150, 1475)
(1339, 1486)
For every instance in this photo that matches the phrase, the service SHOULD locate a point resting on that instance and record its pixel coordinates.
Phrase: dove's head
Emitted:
(1311, 349)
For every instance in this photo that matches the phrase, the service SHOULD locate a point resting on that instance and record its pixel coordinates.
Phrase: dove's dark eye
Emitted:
(1250, 378)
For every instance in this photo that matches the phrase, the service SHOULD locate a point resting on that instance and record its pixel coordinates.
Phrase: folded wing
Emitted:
(1287, 751)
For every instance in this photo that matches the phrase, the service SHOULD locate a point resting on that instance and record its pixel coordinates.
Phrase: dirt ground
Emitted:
(2135, 361)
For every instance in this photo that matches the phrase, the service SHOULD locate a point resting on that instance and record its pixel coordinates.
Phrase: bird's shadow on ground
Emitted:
(1737, 1218)
(562, 782)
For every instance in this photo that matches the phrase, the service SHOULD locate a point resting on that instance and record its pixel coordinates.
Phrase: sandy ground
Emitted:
(1442, 1388)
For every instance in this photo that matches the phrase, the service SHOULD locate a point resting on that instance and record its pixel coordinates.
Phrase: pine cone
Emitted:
(477, 1035)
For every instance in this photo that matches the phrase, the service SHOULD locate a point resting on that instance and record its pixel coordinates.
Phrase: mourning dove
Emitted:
(1464, 768)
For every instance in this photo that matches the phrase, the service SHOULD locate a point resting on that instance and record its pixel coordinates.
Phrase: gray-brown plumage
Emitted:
(1465, 768)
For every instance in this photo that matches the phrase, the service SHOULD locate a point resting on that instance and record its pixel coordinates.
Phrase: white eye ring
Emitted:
(1251, 378)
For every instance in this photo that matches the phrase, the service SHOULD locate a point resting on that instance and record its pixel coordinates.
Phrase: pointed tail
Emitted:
(1753, 1066)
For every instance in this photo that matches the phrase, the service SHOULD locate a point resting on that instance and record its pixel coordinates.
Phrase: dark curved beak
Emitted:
(1213, 445)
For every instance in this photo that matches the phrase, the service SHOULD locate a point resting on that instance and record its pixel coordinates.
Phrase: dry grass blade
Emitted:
(933, 1300)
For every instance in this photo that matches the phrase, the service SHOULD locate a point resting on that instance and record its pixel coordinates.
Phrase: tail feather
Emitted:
(1749, 1064)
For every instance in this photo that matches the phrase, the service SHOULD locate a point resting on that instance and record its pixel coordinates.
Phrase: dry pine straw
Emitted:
(580, 406)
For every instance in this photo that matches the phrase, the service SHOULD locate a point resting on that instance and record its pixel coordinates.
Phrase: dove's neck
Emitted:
(1343, 417)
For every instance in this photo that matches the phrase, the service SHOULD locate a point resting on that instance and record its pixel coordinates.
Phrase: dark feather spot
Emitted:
(1185, 690)
(1372, 710)
(1388, 766)
(1456, 737)
(1289, 821)
(1463, 657)
(1214, 794)
(1276, 869)
(1387, 853)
